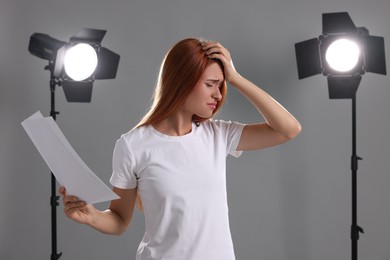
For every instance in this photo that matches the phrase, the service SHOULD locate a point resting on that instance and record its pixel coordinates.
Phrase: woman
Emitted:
(175, 157)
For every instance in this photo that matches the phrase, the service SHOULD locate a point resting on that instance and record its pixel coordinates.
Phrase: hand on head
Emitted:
(215, 50)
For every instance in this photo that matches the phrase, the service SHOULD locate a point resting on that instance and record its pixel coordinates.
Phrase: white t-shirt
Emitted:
(182, 184)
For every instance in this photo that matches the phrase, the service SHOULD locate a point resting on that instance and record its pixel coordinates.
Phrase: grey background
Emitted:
(288, 202)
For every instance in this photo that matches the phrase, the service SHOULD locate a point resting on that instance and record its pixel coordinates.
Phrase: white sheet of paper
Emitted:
(66, 165)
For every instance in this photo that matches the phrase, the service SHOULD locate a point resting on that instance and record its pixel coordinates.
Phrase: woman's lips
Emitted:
(213, 106)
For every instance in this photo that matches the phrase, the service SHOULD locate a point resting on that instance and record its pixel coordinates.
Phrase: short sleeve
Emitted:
(231, 131)
(123, 175)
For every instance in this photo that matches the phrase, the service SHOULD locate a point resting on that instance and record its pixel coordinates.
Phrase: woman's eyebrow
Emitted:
(214, 80)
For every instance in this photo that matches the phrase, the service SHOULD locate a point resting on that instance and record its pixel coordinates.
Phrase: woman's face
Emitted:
(203, 99)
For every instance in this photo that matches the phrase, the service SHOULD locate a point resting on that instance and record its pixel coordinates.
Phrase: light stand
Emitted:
(343, 82)
(76, 90)
(54, 198)
(355, 228)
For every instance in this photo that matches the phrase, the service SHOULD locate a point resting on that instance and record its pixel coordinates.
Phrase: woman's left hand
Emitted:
(215, 50)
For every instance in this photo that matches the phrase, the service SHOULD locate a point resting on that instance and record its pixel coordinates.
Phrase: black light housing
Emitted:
(53, 50)
(311, 60)
(43, 46)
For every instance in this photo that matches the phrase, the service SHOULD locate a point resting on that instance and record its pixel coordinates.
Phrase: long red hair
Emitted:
(180, 70)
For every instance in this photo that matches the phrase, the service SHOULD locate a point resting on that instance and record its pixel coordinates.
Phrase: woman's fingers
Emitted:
(62, 190)
(70, 202)
(74, 207)
(215, 50)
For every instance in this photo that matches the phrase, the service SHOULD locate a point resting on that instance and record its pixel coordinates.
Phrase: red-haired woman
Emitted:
(175, 158)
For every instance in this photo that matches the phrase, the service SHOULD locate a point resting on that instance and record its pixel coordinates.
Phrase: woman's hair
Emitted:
(180, 71)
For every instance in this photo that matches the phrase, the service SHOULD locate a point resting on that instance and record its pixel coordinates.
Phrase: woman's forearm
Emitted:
(114, 220)
(108, 222)
(276, 116)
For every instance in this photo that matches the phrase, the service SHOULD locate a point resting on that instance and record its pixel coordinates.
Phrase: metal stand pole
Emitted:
(54, 198)
(355, 229)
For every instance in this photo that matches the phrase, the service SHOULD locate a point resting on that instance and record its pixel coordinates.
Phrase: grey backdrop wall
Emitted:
(289, 202)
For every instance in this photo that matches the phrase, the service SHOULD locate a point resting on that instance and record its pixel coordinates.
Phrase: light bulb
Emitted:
(342, 55)
(80, 61)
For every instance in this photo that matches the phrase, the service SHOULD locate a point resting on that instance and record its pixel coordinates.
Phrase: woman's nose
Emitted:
(217, 94)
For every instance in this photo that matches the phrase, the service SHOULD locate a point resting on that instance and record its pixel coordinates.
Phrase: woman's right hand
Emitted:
(76, 209)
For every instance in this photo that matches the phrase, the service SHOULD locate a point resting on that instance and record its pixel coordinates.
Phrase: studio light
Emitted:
(343, 53)
(80, 61)
(74, 65)
(77, 63)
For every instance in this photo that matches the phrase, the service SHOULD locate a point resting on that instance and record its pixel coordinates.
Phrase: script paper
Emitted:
(68, 168)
